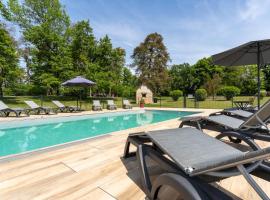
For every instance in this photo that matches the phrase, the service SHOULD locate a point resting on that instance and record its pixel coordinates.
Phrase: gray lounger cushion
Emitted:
(226, 121)
(192, 149)
(241, 113)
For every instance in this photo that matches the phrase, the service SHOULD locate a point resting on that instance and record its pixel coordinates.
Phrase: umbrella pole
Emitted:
(258, 75)
(77, 102)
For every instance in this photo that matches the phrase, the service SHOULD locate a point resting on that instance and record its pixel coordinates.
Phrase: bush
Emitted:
(200, 94)
(229, 91)
(175, 94)
(263, 94)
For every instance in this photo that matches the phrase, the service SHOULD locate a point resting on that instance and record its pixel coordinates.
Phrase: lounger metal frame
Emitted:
(193, 184)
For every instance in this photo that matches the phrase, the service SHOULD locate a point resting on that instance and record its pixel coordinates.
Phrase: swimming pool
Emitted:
(27, 135)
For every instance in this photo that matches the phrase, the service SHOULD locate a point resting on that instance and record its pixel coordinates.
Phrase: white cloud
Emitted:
(254, 9)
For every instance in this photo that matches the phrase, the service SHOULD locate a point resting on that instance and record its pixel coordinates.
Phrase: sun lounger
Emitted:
(254, 127)
(62, 108)
(38, 109)
(96, 105)
(126, 104)
(111, 105)
(189, 165)
(5, 110)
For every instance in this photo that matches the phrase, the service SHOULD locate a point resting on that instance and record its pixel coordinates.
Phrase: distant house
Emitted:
(144, 93)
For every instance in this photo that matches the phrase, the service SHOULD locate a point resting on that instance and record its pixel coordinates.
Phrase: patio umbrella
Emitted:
(251, 53)
(79, 82)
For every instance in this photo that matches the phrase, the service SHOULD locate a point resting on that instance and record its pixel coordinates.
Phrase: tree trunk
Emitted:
(1, 89)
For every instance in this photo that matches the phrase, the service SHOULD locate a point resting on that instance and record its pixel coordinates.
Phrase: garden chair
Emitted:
(62, 108)
(111, 105)
(188, 164)
(5, 110)
(38, 109)
(126, 104)
(96, 105)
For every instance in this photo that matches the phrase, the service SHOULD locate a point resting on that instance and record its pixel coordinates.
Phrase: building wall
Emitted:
(145, 93)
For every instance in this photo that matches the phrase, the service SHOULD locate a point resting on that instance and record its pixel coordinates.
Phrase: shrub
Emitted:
(229, 91)
(263, 94)
(175, 94)
(200, 94)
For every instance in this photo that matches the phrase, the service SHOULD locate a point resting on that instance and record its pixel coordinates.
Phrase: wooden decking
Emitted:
(91, 170)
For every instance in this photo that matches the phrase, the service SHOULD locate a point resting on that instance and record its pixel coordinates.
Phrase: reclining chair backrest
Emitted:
(32, 104)
(126, 102)
(58, 104)
(110, 102)
(3, 105)
(96, 102)
(259, 118)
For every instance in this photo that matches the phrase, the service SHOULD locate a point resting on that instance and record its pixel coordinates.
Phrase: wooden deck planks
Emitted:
(90, 170)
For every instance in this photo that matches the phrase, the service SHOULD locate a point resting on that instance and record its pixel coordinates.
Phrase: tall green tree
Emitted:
(44, 24)
(150, 59)
(205, 70)
(182, 77)
(82, 46)
(9, 68)
(110, 62)
(266, 72)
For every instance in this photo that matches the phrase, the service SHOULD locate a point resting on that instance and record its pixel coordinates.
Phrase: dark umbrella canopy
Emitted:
(251, 53)
(78, 82)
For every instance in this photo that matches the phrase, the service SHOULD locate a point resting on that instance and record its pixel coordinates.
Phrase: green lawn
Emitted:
(219, 102)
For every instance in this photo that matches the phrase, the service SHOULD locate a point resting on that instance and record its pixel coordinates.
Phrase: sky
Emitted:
(192, 29)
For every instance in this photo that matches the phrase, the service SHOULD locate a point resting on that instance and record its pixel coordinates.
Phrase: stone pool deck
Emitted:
(93, 169)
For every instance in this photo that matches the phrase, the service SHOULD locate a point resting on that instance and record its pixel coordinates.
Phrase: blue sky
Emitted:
(192, 29)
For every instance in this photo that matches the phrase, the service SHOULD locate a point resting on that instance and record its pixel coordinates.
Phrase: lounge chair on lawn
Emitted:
(96, 105)
(126, 104)
(5, 110)
(62, 108)
(189, 165)
(38, 109)
(111, 105)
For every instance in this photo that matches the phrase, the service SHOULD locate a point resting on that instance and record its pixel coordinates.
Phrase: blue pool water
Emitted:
(26, 135)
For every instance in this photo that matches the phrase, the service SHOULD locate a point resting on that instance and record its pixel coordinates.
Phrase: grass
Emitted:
(219, 102)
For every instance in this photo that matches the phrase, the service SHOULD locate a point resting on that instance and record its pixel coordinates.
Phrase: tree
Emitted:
(266, 72)
(128, 78)
(182, 77)
(9, 69)
(110, 62)
(150, 59)
(212, 85)
(44, 24)
(82, 46)
(205, 70)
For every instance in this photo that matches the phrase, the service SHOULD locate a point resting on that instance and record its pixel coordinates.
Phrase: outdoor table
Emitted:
(241, 104)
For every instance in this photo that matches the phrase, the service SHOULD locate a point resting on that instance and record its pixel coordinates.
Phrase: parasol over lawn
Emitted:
(79, 82)
(251, 53)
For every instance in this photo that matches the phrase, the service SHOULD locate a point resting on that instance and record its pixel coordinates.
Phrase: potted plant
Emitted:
(142, 103)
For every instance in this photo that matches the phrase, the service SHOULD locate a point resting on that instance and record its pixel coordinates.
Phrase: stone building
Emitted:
(145, 93)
